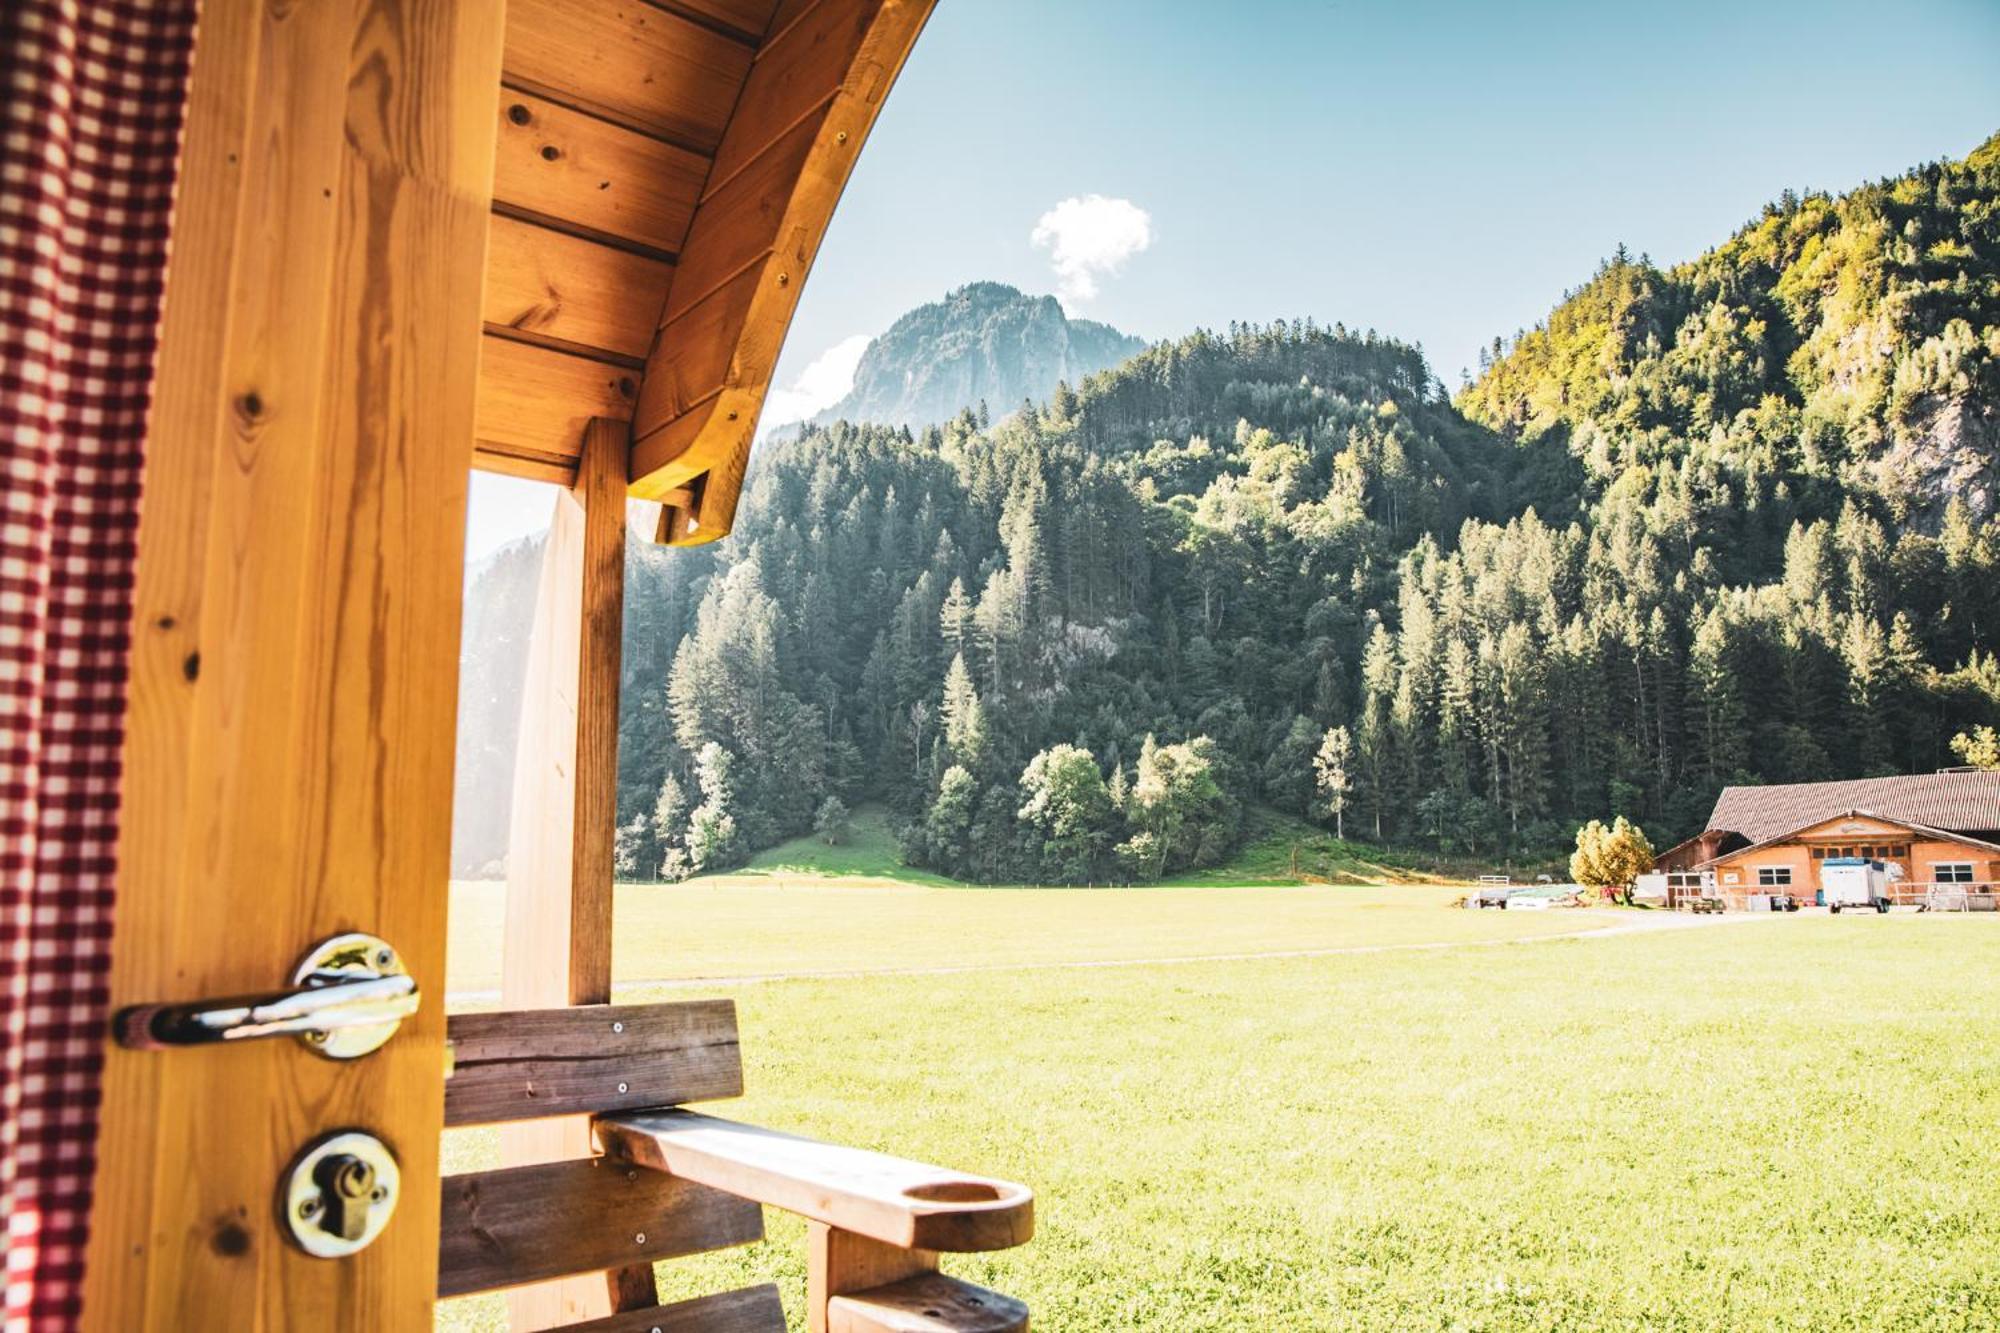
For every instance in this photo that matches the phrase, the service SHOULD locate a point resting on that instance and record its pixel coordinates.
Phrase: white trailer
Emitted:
(1854, 881)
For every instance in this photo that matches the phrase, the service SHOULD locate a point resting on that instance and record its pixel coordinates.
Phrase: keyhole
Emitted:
(347, 1188)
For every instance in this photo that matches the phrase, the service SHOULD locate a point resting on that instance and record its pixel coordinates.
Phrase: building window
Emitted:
(1819, 853)
(1774, 877)
(1952, 872)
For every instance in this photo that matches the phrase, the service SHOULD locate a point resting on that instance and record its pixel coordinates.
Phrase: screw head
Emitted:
(309, 1208)
(624, 1088)
(639, 1239)
(384, 957)
(379, 1193)
(617, 1027)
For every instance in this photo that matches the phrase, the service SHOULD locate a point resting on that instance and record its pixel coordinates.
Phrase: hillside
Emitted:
(985, 345)
(1076, 644)
(1835, 348)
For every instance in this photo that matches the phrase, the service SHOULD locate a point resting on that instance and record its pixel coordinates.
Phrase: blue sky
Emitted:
(1439, 171)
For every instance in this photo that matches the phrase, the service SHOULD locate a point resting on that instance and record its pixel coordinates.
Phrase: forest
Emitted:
(1731, 521)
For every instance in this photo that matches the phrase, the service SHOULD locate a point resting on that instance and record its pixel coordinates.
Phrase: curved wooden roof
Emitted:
(665, 172)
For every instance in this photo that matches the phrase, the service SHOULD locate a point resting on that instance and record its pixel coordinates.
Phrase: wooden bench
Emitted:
(671, 1182)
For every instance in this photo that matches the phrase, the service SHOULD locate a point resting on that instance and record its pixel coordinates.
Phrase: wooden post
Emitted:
(559, 863)
(839, 1262)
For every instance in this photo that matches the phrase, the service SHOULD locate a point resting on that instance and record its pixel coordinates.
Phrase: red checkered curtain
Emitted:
(89, 139)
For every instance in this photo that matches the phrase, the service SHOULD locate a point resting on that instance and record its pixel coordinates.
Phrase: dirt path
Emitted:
(1619, 924)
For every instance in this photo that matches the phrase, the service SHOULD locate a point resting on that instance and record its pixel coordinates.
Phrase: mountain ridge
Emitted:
(983, 343)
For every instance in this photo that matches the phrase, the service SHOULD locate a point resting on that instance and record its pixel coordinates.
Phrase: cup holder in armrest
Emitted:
(955, 1191)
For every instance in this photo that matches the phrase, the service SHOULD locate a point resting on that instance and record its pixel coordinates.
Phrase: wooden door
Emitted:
(289, 766)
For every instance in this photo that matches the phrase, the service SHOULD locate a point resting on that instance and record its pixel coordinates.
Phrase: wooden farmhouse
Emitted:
(1935, 832)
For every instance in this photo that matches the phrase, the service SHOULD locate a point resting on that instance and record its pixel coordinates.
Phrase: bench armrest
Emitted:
(900, 1203)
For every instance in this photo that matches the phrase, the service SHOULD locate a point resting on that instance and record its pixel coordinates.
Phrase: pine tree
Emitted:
(1376, 740)
(711, 840)
(670, 811)
(1331, 770)
(963, 717)
(955, 619)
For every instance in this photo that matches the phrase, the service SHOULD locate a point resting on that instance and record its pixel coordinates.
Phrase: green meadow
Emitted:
(1762, 1124)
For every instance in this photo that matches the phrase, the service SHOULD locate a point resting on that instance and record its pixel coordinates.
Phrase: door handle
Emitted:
(348, 996)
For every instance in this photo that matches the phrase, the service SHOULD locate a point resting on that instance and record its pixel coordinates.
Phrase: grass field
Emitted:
(1766, 1124)
(760, 925)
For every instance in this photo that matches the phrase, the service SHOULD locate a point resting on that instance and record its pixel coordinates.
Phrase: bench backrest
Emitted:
(522, 1224)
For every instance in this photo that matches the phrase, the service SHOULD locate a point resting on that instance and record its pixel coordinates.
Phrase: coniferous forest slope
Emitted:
(1732, 521)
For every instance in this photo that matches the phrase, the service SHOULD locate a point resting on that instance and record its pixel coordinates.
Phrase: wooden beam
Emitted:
(288, 763)
(747, 1310)
(533, 1063)
(839, 1262)
(925, 1303)
(536, 405)
(905, 1204)
(559, 873)
(524, 1224)
(809, 103)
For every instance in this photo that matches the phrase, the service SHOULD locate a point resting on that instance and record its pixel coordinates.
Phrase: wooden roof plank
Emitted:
(546, 282)
(562, 164)
(536, 401)
(639, 64)
(790, 80)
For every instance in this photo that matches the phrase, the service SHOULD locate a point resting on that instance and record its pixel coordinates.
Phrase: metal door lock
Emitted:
(340, 1193)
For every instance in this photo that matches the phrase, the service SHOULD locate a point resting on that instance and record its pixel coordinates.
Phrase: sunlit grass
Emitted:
(1772, 1124)
(758, 926)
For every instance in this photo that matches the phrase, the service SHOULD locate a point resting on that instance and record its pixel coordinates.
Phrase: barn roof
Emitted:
(1922, 830)
(1958, 802)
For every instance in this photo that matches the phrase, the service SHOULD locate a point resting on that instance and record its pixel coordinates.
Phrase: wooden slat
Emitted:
(927, 1303)
(787, 13)
(288, 762)
(790, 81)
(562, 164)
(708, 334)
(643, 66)
(738, 224)
(520, 461)
(905, 1204)
(545, 282)
(529, 1223)
(749, 18)
(752, 242)
(543, 1062)
(536, 401)
(746, 1310)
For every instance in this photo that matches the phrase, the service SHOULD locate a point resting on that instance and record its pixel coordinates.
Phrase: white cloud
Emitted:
(819, 386)
(1090, 237)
